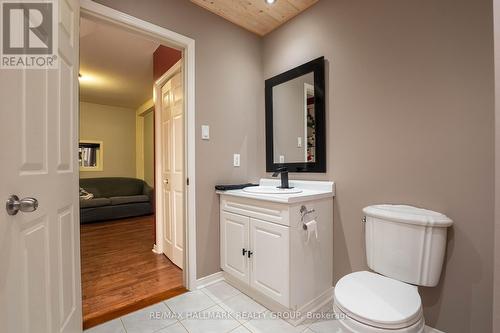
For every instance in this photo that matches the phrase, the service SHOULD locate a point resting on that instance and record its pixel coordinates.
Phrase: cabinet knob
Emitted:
(243, 252)
(250, 254)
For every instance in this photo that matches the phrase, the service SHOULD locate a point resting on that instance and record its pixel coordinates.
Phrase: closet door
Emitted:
(172, 154)
(234, 245)
(270, 264)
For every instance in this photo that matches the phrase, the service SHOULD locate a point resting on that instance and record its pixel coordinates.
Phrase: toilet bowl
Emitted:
(405, 248)
(372, 303)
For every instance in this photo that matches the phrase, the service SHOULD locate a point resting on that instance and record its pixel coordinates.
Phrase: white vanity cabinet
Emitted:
(256, 253)
(265, 251)
(270, 269)
(235, 230)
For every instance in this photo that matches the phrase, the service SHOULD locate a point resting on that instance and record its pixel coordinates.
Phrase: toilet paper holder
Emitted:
(305, 212)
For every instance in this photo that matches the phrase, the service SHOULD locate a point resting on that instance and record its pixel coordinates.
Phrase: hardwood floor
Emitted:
(120, 273)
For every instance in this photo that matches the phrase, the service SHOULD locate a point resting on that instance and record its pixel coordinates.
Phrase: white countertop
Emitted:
(311, 190)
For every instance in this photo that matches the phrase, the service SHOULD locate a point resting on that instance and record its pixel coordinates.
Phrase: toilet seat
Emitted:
(351, 325)
(378, 301)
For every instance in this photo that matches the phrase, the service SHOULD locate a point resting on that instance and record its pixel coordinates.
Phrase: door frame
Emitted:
(159, 198)
(187, 45)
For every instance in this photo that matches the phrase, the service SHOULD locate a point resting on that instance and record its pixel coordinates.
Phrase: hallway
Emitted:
(120, 273)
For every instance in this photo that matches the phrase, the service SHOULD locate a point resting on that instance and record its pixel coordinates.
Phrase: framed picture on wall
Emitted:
(90, 155)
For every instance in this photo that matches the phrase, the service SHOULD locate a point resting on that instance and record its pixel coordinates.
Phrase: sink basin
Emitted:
(271, 190)
(303, 190)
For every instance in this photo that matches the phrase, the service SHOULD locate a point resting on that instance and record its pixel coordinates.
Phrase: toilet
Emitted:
(405, 248)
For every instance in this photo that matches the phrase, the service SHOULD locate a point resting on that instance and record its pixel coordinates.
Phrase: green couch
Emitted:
(115, 198)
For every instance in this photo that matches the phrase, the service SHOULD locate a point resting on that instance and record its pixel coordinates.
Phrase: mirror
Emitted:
(295, 119)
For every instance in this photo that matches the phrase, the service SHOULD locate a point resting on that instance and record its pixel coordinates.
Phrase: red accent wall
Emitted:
(163, 59)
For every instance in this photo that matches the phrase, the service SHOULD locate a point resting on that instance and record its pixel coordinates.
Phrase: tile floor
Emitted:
(218, 308)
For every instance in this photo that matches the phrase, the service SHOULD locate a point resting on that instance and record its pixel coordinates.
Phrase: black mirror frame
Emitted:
(316, 66)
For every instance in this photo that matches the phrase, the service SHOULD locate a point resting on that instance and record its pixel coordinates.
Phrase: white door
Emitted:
(40, 250)
(234, 245)
(172, 151)
(270, 260)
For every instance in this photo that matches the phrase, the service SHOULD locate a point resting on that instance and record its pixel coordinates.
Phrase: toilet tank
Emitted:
(406, 243)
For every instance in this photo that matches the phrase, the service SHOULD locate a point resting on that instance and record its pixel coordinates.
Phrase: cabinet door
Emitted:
(234, 240)
(270, 273)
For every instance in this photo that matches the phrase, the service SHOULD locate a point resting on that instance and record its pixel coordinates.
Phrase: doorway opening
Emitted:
(134, 194)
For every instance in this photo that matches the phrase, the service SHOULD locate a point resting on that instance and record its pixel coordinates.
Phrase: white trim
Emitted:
(155, 249)
(209, 280)
(187, 44)
(140, 113)
(313, 306)
(165, 77)
(145, 108)
(159, 151)
(432, 330)
(139, 147)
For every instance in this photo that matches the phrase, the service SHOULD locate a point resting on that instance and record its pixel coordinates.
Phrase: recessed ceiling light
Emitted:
(270, 2)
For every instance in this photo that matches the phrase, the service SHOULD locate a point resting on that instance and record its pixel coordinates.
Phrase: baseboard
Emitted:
(156, 249)
(252, 293)
(313, 306)
(208, 280)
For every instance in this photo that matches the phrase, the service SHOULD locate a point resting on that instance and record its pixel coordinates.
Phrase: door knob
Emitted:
(165, 181)
(26, 205)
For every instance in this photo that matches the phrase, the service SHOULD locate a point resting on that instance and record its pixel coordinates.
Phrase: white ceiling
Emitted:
(116, 65)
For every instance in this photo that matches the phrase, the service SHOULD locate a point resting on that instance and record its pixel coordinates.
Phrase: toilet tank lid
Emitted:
(408, 214)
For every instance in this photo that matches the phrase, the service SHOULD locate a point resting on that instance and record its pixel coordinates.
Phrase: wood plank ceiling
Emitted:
(256, 15)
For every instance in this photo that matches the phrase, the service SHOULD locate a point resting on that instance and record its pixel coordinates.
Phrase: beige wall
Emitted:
(229, 94)
(149, 145)
(115, 127)
(496, 281)
(410, 120)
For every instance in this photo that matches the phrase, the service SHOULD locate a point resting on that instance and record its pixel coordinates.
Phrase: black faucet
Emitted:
(284, 177)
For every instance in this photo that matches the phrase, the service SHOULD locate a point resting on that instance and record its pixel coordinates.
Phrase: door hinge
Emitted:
(187, 181)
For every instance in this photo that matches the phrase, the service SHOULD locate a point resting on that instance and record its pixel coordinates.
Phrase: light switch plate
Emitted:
(282, 158)
(205, 132)
(236, 160)
(299, 142)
